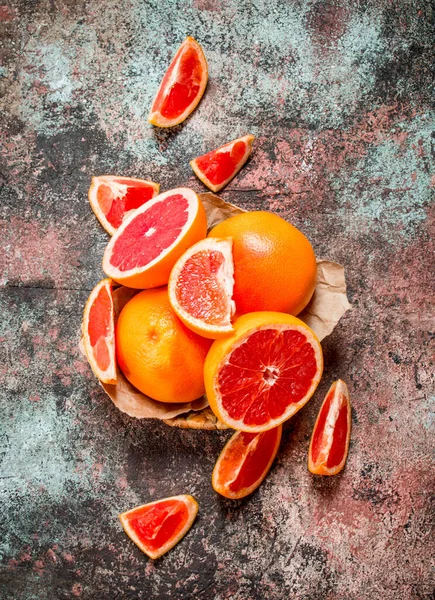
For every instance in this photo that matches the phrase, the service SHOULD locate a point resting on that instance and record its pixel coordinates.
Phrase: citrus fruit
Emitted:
(182, 86)
(158, 526)
(331, 434)
(157, 353)
(264, 372)
(201, 285)
(146, 246)
(99, 332)
(113, 198)
(274, 263)
(216, 168)
(244, 462)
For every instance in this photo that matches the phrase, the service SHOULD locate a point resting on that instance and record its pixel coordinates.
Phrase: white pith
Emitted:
(192, 509)
(292, 408)
(193, 207)
(225, 276)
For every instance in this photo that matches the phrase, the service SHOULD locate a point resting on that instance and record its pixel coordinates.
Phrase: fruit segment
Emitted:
(244, 462)
(182, 86)
(201, 287)
(218, 167)
(114, 198)
(158, 526)
(329, 444)
(98, 331)
(264, 372)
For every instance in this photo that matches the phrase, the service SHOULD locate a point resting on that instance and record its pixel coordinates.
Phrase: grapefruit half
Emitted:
(264, 372)
(329, 444)
(244, 462)
(113, 198)
(218, 167)
(146, 246)
(98, 331)
(182, 87)
(158, 526)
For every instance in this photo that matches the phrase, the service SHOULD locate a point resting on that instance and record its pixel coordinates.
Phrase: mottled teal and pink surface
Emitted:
(339, 96)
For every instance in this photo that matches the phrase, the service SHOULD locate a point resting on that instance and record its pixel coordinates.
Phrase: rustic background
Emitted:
(339, 98)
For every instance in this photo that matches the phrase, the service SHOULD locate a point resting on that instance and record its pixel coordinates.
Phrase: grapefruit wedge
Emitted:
(158, 526)
(182, 87)
(146, 246)
(216, 168)
(264, 372)
(201, 287)
(113, 198)
(98, 331)
(244, 462)
(329, 444)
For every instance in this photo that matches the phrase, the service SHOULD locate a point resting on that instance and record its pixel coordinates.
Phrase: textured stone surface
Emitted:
(339, 98)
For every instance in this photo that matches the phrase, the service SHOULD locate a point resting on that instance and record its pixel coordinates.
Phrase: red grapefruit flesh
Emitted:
(146, 246)
(158, 526)
(264, 372)
(201, 286)
(182, 86)
(218, 167)
(98, 331)
(244, 462)
(113, 198)
(329, 444)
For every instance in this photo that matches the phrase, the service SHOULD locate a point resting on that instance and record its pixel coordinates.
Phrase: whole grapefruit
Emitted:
(274, 263)
(157, 353)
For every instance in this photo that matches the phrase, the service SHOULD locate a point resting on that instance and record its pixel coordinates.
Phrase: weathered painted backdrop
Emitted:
(339, 98)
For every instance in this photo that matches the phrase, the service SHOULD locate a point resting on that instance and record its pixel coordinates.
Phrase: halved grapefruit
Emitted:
(182, 87)
(156, 527)
(112, 198)
(216, 168)
(244, 462)
(98, 329)
(264, 372)
(146, 246)
(329, 444)
(201, 287)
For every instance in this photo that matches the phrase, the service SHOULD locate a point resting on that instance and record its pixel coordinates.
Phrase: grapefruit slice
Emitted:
(98, 330)
(201, 286)
(182, 87)
(329, 444)
(158, 526)
(264, 372)
(113, 198)
(146, 246)
(216, 168)
(244, 462)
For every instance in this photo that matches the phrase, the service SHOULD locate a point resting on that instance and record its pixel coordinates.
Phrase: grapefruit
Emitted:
(216, 168)
(274, 263)
(157, 353)
(158, 526)
(329, 444)
(182, 87)
(201, 286)
(264, 372)
(113, 198)
(146, 246)
(244, 462)
(99, 332)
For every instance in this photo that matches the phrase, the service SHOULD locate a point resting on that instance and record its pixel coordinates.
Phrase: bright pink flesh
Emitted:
(149, 233)
(114, 208)
(220, 165)
(198, 290)
(99, 325)
(338, 447)
(269, 371)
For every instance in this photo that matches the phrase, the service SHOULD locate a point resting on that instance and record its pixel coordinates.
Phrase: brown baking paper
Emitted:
(327, 306)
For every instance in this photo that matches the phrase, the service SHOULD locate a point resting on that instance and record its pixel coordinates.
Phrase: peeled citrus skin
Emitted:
(274, 263)
(157, 353)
